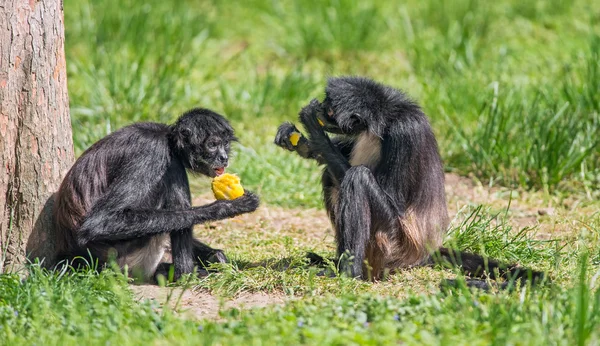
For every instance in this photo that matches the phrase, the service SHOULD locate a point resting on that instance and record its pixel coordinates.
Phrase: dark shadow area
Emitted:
(286, 263)
(310, 260)
(41, 243)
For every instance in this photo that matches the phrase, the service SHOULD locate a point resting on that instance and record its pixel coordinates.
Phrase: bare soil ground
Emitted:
(310, 226)
(202, 304)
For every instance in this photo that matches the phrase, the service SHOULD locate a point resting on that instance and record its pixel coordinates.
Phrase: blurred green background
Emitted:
(512, 87)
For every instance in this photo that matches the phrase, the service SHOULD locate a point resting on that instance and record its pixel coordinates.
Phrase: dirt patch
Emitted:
(302, 227)
(524, 209)
(200, 304)
(461, 191)
(311, 221)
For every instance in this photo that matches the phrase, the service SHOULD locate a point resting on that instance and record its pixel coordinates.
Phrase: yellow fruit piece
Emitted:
(294, 138)
(320, 122)
(227, 186)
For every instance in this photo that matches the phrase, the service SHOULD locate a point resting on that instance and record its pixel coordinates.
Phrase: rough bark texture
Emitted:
(36, 147)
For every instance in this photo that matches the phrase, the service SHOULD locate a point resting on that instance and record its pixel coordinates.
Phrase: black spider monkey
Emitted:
(383, 182)
(129, 193)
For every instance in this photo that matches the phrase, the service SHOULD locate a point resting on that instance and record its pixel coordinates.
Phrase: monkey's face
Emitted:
(211, 156)
(353, 105)
(204, 142)
(341, 118)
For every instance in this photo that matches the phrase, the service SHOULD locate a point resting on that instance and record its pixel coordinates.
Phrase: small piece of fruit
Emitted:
(294, 138)
(320, 122)
(227, 186)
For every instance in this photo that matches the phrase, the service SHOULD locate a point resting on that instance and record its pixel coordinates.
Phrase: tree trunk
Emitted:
(36, 147)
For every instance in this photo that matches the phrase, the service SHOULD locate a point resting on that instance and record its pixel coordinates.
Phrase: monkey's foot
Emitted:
(218, 256)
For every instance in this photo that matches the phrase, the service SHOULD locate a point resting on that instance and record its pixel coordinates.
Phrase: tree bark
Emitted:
(36, 147)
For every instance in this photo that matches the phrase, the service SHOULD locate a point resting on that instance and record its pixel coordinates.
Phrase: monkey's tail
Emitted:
(479, 266)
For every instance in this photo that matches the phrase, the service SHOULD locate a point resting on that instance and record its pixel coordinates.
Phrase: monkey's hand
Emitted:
(289, 137)
(309, 117)
(247, 203)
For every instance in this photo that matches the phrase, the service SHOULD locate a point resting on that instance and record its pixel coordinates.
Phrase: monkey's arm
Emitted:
(303, 146)
(337, 162)
(126, 223)
(123, 213)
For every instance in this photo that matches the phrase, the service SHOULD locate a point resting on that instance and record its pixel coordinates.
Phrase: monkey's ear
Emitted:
(357, 120)
(184, 135)
(180, 136)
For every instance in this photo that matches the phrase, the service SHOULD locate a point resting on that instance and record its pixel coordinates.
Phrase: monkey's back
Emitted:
(95, 170)
(420, 182)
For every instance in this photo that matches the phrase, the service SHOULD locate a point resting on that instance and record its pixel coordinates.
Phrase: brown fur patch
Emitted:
(384, 243)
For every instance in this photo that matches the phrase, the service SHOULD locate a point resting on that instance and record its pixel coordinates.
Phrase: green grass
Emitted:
(537, 139)
(97, 309)
(481, 232)
(512, 89)
(70, 308)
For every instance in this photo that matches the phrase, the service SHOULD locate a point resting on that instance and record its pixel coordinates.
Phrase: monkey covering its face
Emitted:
(383, 182)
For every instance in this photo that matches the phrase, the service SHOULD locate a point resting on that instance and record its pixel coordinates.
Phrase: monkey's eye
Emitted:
(211, 144)
(330, 112)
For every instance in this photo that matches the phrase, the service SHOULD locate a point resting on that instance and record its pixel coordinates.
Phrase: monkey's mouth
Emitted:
(219, 171)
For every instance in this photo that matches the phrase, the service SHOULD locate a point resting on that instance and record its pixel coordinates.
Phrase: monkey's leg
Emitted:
(330, 197)
(182, 251)
(187, 253)
(205, 254)
(330, 194)
(361, 204)
(163, 270)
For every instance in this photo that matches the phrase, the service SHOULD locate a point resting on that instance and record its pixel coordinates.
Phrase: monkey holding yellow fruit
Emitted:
(295, 136)
(227, 186)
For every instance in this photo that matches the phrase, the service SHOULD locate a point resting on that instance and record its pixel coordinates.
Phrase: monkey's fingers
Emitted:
(218, 256)
(288, 136)
(310, 117)
(248, 203)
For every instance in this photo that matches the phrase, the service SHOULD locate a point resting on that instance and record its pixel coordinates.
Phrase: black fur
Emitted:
(131, 187)
(383, 182)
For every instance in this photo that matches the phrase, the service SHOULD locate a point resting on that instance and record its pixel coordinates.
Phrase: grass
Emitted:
(486, 74)
(564, 125)
(98, 309)
(65, 309)
(479, 231)
(70, 308)
(512, 89)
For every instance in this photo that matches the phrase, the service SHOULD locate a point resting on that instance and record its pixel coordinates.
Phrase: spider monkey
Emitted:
(383, 182)
(129, 193)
